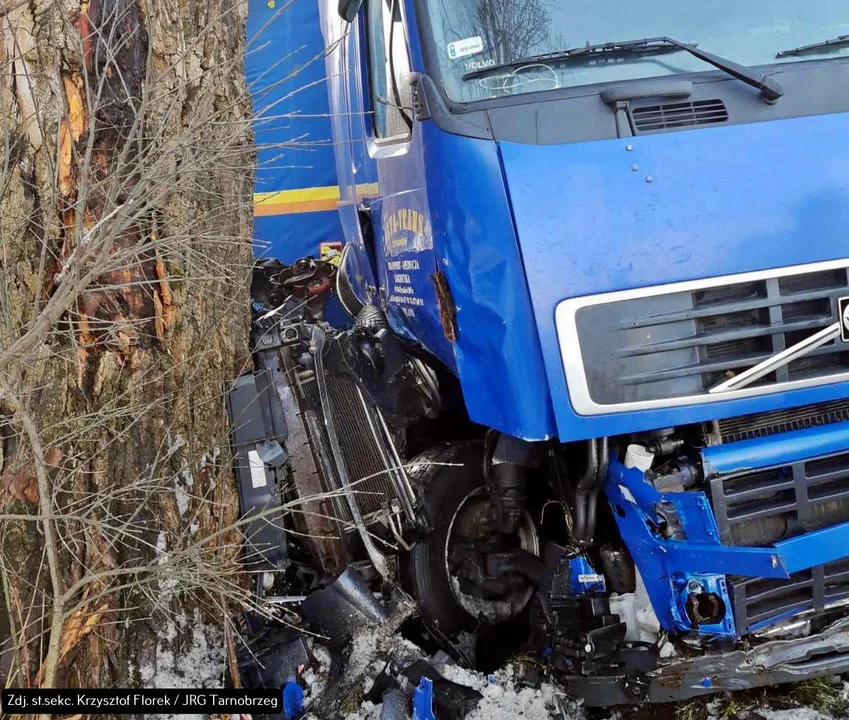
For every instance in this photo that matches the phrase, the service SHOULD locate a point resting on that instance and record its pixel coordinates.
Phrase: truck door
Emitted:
(400, 214)
(343, 78)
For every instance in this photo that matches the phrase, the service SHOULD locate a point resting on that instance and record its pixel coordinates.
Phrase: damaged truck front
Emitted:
(591, 394)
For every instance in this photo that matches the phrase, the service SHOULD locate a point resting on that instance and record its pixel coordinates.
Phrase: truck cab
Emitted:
(598, 282)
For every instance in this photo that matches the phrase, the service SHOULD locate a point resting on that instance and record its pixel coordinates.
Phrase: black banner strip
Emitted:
(129, 701)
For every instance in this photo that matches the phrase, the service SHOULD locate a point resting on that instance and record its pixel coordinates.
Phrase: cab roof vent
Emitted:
(670, 116)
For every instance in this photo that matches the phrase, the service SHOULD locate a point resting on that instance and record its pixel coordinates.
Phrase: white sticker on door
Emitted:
(462, 48)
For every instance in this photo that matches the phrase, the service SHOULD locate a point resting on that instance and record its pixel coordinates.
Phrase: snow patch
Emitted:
(802, 713)
(181, 496)
(501, 703)
(367, 711)
(184, 481)
(462, 676)
(503, 697)
(200, 664)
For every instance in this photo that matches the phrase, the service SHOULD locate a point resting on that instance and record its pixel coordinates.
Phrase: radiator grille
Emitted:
(683, 343)
(758, 602)
(761, 507)
(652, 118)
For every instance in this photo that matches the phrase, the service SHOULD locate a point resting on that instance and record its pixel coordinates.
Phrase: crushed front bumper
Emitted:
(772, 663)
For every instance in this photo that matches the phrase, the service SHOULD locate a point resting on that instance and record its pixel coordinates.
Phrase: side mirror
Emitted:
(348, 9)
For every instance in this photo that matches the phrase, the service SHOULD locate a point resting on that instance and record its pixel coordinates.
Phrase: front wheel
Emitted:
(447, 570)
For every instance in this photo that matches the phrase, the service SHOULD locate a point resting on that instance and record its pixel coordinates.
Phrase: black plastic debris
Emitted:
(340, 609)
(531, 679)
(382, 684)
(273, 659)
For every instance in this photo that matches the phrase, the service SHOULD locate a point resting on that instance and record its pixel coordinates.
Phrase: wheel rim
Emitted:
(493, 611)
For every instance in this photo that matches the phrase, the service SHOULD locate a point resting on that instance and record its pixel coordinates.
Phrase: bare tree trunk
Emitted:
(126, 175)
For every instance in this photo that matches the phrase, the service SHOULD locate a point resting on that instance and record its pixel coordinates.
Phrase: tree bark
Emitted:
(126, 173)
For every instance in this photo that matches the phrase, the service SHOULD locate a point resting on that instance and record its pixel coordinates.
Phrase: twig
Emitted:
(9, 7)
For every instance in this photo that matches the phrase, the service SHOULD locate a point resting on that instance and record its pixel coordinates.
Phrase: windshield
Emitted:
(470, 35)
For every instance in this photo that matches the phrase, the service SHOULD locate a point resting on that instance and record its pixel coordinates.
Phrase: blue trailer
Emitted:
(596, 383)
(296, 191)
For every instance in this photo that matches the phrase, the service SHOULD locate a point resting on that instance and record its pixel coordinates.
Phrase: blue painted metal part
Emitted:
(665, 563)
(686, 585)
(441, 206)
(776, 450)
(286, 76)
(498, 356)
(423, 700)
(721, 201)
(293, 700)
(583, 578)
(814, 548)
(518, 228)
(356, 171)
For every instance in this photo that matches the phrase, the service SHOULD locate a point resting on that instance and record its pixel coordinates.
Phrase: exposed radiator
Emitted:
(747, 427)
(367, 459)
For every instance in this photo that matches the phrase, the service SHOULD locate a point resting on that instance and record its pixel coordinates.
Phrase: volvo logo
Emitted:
(843, 316)
(839, 329)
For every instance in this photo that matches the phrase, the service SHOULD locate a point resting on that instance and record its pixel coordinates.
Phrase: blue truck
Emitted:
(591, 398)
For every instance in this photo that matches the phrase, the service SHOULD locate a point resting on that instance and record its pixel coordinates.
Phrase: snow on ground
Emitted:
(505, 699)
(793, 714)
(504, 696)
(502, 699)
(196, 664)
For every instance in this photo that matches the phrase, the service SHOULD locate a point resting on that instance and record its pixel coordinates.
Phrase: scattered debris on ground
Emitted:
(376, 677)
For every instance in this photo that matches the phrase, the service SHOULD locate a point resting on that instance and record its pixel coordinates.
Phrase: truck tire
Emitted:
(445, 476)
(451, 484)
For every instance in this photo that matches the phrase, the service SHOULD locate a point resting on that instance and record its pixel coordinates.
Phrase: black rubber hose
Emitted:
(579, 516)
(586, 498)
(588, 479)
(582, 492)
(592, 513)
(592, 503)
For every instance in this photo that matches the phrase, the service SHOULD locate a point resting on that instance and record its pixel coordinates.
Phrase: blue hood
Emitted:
(619, 214)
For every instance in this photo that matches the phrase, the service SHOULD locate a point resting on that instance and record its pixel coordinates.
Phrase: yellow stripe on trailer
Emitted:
(305, 200)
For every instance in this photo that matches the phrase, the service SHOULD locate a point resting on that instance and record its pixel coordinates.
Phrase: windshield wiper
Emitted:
(840, 41)
(770, 89)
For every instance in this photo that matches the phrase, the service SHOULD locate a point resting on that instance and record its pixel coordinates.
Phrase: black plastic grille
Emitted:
(747, 427)
(764, 506)
(652, 118)
(684, 343)
(761, 507)
(758, 601)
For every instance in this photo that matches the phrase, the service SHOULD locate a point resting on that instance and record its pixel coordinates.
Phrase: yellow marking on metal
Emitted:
(302, 200)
